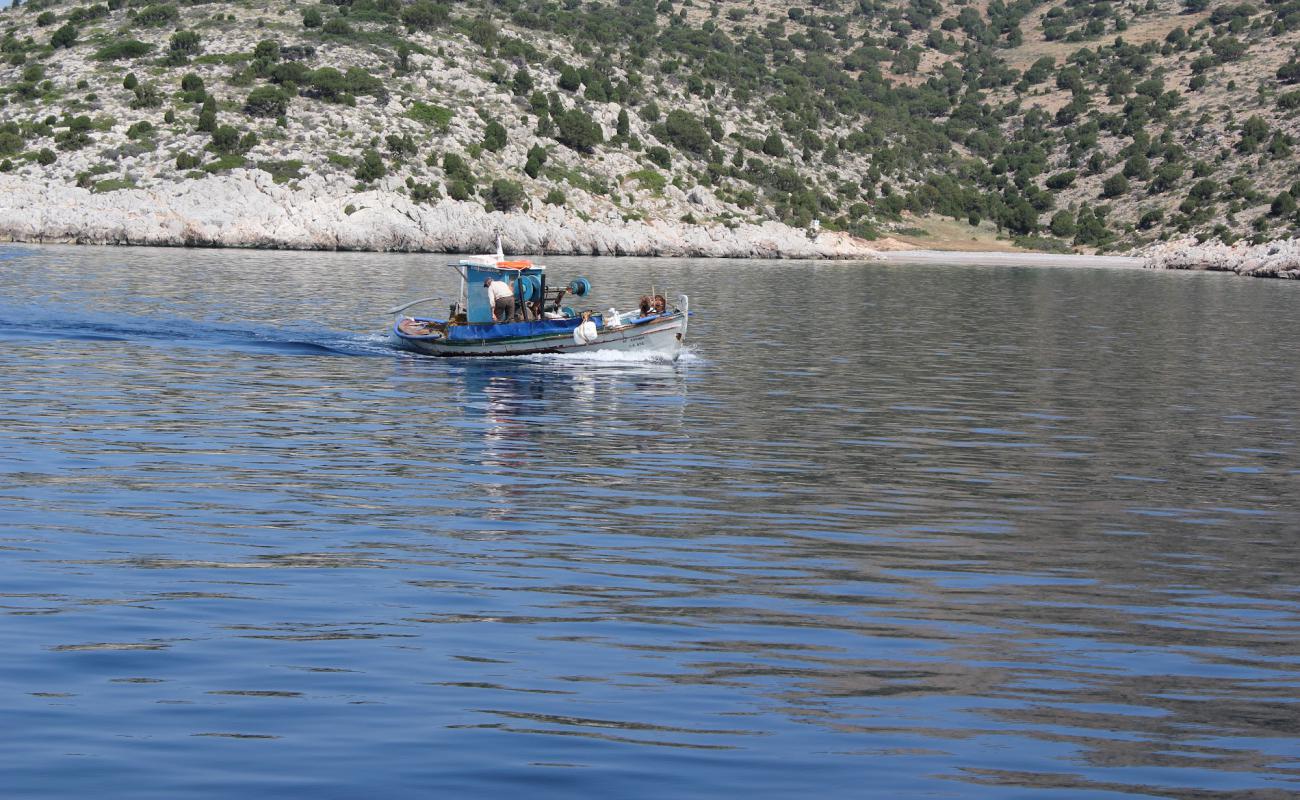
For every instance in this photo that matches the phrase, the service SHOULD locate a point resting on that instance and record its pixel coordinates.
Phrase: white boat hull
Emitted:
(663, 335)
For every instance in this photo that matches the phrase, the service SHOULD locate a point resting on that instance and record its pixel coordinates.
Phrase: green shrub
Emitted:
(282, 171)
(337, 27)
(424, 16)
(10, 143)
(371, 167)
(1151, 218)
(649, 180)
(139, 129)
(182, 45)
(311, 18)
(577, 130)
(187, 161)
(1114, 186)
(434, 116)
(360, 81)
(505, 195)
(130, 82)
(400, 146)
(268, 50)
(329, 85)
(87, 13)
(686, 132)
(456, 169)
(1137, 167)
(1062, 224)
(157, 15)
(147, 95)
(64, 37)
(773, 145)
(458, 190)
(112, 185)
(1061, 180)
(659, 156)
(290, 72)
(555, 197)
(424, 193)
(127, 48)
(570, 80)
(225, 139)
(536, 158)
(46, 157)
(225, 162)
(522, 83)
(208, 116)
(266, 101)
(46, 18)
(494, 136)
(1203, 190)
(77, 135)
(483, 33)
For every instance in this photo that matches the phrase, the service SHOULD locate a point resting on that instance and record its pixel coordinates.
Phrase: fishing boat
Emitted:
(542, 323)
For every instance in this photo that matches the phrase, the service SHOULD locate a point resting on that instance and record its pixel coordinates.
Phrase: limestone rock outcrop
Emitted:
(246, 208)
(1277, 259)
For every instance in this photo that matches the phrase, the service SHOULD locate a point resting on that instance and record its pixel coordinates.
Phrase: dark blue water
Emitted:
(887, 531)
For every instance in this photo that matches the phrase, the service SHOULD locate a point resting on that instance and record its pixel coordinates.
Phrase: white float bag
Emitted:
(585, 333)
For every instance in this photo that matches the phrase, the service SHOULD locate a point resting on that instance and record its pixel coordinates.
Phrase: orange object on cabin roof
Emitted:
(514, 264)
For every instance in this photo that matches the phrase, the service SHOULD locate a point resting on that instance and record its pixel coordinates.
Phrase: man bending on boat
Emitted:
(501, 299)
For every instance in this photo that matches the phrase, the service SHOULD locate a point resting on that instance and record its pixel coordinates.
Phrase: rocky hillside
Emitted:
(1077, 124)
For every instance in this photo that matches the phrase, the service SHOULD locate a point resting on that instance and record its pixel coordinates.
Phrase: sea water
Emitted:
(883, 531)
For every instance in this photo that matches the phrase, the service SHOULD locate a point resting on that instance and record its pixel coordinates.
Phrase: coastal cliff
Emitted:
(246, 208)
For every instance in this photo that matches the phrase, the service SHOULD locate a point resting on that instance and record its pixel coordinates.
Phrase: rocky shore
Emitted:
(1278, 259)
(246, 208)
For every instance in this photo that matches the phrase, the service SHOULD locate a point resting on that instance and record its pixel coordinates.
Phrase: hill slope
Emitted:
(1082, 123)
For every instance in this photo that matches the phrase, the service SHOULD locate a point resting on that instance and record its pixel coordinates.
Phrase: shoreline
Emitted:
(246, 209)
(981, 258)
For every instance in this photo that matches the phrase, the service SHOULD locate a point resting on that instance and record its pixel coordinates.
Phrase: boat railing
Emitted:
(401, 308)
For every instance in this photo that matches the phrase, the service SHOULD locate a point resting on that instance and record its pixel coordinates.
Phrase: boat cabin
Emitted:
(527, 279)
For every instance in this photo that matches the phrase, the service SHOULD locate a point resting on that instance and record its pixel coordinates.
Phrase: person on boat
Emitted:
(501, 299)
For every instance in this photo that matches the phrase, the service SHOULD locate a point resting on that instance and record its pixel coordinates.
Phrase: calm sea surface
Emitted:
(885, 531)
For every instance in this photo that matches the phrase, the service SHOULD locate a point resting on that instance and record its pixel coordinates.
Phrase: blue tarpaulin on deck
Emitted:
(510, 330)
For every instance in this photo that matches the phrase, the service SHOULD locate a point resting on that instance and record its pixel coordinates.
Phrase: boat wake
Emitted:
(29, 323)
(621, 357)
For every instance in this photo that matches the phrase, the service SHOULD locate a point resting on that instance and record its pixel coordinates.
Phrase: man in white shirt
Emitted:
(501, 299)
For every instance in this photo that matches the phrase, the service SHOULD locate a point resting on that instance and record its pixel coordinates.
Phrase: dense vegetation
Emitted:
(1083, 123)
